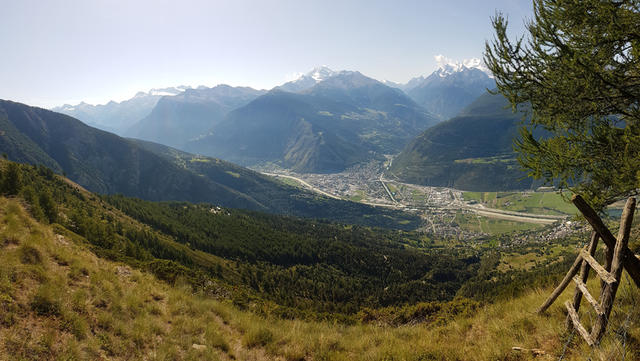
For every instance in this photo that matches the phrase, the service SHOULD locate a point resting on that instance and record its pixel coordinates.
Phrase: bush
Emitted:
(12, 180)
(168, 271)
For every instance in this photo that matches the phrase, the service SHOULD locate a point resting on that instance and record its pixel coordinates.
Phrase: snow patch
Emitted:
(316, 74)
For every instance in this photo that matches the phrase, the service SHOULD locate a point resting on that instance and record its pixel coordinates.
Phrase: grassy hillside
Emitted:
(120, 278)
(58, 300)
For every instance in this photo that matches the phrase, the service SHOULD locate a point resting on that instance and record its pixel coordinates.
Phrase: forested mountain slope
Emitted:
(472, 151)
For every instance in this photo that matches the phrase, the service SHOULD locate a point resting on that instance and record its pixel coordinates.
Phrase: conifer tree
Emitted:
(577, 74)
(49, 206)
(12, 179)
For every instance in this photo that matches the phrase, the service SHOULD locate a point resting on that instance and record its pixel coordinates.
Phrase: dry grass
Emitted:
(59, 301)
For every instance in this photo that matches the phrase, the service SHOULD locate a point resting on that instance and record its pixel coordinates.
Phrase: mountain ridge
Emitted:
(177, 119)
(472, 151)
(449, 89)
(351, 116)
(115, 116)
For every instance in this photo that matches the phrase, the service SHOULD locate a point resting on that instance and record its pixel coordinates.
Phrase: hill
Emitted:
(342, 120)
(177, 119)
(472, 151)
(105, 163)
(93, 290)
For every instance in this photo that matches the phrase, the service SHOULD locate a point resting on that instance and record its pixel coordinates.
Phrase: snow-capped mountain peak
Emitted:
(168, 91)
(320, 73)
(448, 66)
(307, 80)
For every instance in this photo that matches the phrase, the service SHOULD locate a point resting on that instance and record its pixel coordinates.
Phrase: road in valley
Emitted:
(453, 204)
(304, 184)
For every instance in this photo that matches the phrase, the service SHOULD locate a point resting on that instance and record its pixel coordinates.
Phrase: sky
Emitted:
(55, 52)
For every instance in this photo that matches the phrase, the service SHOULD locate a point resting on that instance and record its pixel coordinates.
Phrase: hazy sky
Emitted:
(63, 51)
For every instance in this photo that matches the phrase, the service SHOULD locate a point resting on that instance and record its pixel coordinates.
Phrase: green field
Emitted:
(289, 181)
(472, 222)
(527, 258)
(550, 203)
(359, 196)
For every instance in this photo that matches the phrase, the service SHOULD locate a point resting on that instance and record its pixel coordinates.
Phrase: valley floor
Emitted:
(60, 301)
(446, 212)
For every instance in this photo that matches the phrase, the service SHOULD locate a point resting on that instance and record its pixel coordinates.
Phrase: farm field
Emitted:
(549, 203)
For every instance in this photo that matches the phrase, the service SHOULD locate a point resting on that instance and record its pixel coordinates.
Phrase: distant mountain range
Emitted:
(180, 117)
(106, 163)
(472, 151)
(323, 121)
(177, 119)
(117, 117)
(450, 88)
(341, 120)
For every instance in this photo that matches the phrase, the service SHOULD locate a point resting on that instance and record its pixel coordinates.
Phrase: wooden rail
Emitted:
(604, 275)
(631, 262)
(587, 295)
(584, 275)
(617, 257)
(576, 323)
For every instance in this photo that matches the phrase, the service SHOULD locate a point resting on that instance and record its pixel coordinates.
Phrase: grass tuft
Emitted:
(257, 335)
(30, 255)
(46, 301)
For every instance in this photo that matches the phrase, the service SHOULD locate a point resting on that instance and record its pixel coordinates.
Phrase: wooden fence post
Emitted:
(631, 263)
(565, 282)
(618, 263)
